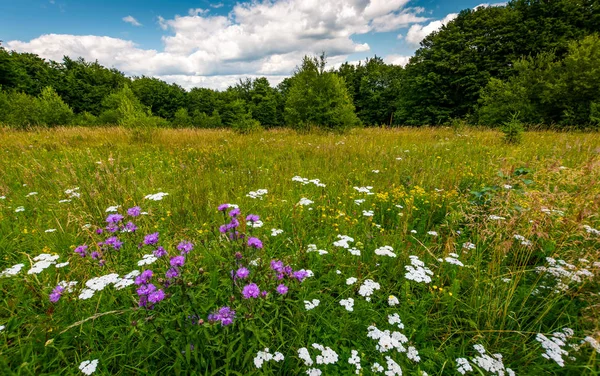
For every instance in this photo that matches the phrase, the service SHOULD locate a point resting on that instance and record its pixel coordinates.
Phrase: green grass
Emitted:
(444, 181)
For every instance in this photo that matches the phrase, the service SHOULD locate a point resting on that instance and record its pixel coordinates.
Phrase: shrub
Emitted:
(182, 118)
(244, 123)
(513, 130)
(53, 111)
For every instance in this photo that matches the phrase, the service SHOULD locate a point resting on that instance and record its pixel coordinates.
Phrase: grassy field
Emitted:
(434, 251)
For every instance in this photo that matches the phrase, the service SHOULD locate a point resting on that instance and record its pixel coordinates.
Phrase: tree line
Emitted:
(536, 60)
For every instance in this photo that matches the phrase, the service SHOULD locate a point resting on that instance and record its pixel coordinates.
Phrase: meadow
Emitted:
(430, 251)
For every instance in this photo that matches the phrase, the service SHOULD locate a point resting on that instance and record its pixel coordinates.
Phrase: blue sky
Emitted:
(214, 43)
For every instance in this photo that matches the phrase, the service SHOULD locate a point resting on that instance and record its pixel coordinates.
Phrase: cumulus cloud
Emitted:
(397, 59)
(132, 20)
(417, 33)
(261, 38)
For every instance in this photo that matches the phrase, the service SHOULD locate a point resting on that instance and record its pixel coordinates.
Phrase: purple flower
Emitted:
(235, 212)
(300, 274)
(101, 262)
(185, 247)
(112, 227)
(235, 235)
(282, 289)
(223, 207)
(99, 231)
(250, 291)
(177, 261)
(114, 242)
(223, 229)
(254, 243)
(130, 227)
(56, 294)
(277, 265)
(114, 218)
(225, 315)
(151, 239)
(146, 289)
(252, 218)
(95, 255)
(134, 212)
(172, 273)
(238, 256)
(144, 277)
(156, 296)
(81, 250)
(233, 224)
(242, 273)
(143, 301)
(160, 252)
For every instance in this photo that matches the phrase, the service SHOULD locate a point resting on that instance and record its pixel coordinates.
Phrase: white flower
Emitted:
(275, 232)
(386, 250)
(392, 367)
(265, 356)
(61, 265)
(366, 190)
(156, 196)
(50, 230)
(375, 171)
(63, 201)
(147, 259)
(313, 372)
(507, 186)
(394, 319)
(305, 181)
(358, 202)
(463, 366)
(496, 218)
(468, 245)
(86, 294)
(413, 354)
(305, 356)
(13, 270)
(2, 327)
(417, 271)
(377, 368)
(351, 280)
(2, 197)
(592, 341)
(255, 224)
(99, 283)
(68, 286)
(112, 209)
(31, 194)
(453, 261)
(328, 356)
(313, 248)
(355, 361)
(305, 202)
(354, 251)
(348, 304)
(522, 239)
(20, 209)
(554, 346)
(88, 366)
(413, 231)
(257, 194)
(368, 288)
(44, 260)
(368, 213)
(392, 301)
(591, 230)
(343, 242)
(311, 304)
(432, 233)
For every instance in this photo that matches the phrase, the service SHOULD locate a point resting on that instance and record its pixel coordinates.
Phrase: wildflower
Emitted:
(348, 304)
(351, 280)
(242, 273)
(61, 265)
(20, 209)
(50, 230)
(254, 243)
(43, 261)
(275, 232)
(2, 327)
(151, 239)
(156, 296)
(392, 301)
(311, 304)
(496, 218)
(147, 259)
(185, 247)
(468, 245)
(250, 291)
(172, 273)
(385, 251)
(86, 294)
(81, 250)
(366, 190)
(313, 248)
(376, 368)
(554, 346)
(282, 289)
(343, 242)
(130, 227)
(88, 366)
(134, 211)
(95, 255)
(413, 354)
(144, 277)
(392, 367)
(417, 271)
(156, 196)
(368, 213)
(305, 356)
(56, 294)
(368, 288)
(114, 218)
(591, 230)
(300, 275)
(160, 252)
(277, 265)
(355, 361)
(305, 202)
(114, 242)
(463, 366)
(224, 314)
(432, 233)
(257, 194)
(394, 319)
(454, 260)
(235, 212)
(265, 356)
(177, 261)
(354, 251)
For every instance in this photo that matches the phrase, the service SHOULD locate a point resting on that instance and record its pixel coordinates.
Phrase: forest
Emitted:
(535, 60)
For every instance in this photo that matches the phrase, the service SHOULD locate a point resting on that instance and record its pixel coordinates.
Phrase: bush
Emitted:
(53, 111)
(245, 124)
(182, 118)
(85, 118)
(513, 130)
(20, 110)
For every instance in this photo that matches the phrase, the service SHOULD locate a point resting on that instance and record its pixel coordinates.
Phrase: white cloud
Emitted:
(260, 38)
(417, 33)
(397, 59)
(218, 5)
(487, 5)
(131, 20)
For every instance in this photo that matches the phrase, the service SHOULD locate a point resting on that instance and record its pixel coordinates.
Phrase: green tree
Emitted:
(182, 118)
(318, 97)
(53, 111)
(161, 98)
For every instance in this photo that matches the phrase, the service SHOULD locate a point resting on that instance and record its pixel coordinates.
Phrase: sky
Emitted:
(213, 44)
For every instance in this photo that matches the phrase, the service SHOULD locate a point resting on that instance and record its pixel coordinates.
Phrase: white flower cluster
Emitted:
(591, 230)
(392, 301)
(257, 194)
(394, 319)
(113, 209)
(68, 286)
(492, 364)
(553, 211)
(553, 346)
(275, 232)
(463, 366)
(305, 202)
(592, 341)
(348, 304)
(88, 367)
(494, 217)
(311, 304)
(354, 251)
(2, 327)
(358, 202)
(343, 242)
(255, 224)
(156, 196)
(305, 181)
(468, 245)
(305, 356)
(522, 239)
(368, 213)
(99, 283)
(265, 356)
(366, 190)
(351, 281)
(44, 260)
(386, 250)
(387, 340)
(127, 280)
(432, 233)
(368, 288)
(31, 194)
(377, 368)
(327, 356)
(564, 273)
(355, 361)
(147, 259)
(313, 248)
(20, 209)
(393, 368)
(72, 193)
(12, 271)
(453, 259)
(417, 271)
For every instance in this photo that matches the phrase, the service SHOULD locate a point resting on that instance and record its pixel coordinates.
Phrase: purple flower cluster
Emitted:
(252, 218)
(160, 252)
(287, 271)
(113, 242)
(56, 294)
(81, 250)
(134, 212)
(185, 247)
(251, 290)
(148, 293)
(242, 273)
(224, 314)
(176, 262)
(255, 243)
(151, 239)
